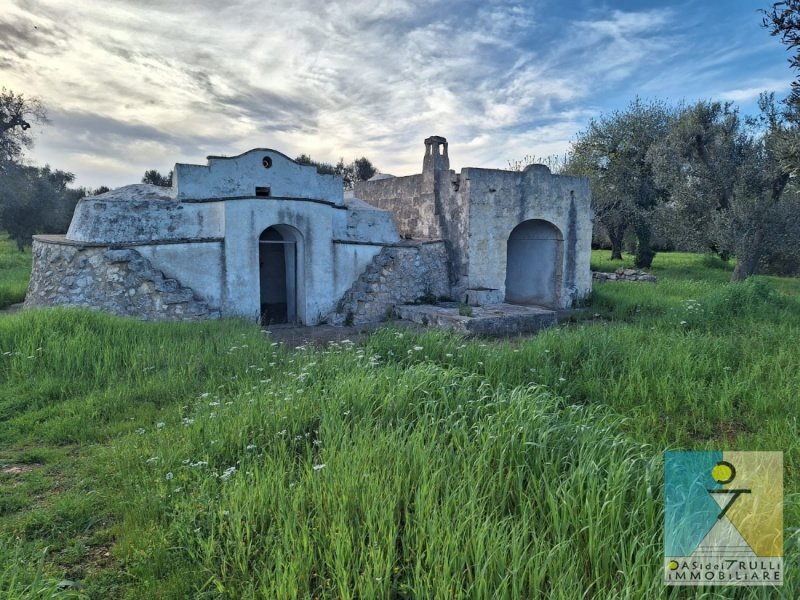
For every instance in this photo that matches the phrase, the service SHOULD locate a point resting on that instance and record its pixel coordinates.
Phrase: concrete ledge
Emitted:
(397, 244)
(62, 240)
(496, 320)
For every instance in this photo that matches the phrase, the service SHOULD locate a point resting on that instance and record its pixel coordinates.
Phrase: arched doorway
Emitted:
(278, 273)
(534, 263)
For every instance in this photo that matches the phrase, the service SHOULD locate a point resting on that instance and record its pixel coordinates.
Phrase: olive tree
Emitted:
(613, 153)
(727, 187)
(17, 114)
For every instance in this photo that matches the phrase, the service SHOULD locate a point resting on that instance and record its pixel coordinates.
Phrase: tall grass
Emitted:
(214, 463)
(15, 270)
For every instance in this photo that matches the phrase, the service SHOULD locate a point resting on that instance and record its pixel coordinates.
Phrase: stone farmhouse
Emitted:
(262, 237)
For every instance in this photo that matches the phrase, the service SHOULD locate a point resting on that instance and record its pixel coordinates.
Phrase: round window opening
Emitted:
(267, 162)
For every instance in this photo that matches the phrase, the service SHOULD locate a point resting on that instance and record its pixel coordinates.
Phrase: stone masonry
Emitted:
(261, 237)
(624, 275)
(120, 281)
(398, 274)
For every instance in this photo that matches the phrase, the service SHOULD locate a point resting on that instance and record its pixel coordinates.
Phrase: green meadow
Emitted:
(203, 460)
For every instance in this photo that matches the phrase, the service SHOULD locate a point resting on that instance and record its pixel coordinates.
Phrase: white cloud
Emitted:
(751, 93)
(141, 82)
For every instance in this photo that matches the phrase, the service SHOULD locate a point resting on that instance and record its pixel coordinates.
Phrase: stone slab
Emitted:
(495, 320)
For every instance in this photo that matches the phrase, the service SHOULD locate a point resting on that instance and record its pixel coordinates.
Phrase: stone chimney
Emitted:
(436, 160)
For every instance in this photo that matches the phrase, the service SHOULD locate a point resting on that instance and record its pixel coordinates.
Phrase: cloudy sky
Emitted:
(137, 84)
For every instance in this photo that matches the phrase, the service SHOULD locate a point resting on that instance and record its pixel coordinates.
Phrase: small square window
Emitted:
(263, 192)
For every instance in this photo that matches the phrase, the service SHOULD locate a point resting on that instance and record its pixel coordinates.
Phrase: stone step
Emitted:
(494, 320)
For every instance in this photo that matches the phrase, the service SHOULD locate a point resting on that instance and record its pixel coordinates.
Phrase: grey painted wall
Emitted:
(498, 201)
(238, 176)
(119, 217)
(196, 265)
(535, 255)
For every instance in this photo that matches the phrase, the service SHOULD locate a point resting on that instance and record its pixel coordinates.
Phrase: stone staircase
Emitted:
(120, 281)
(398, 274)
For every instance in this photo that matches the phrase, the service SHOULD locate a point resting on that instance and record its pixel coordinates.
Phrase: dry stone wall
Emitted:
(120, 281)
(397, 274)
(624, 275)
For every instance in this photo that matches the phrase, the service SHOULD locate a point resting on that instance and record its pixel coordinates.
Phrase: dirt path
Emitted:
(320, 335)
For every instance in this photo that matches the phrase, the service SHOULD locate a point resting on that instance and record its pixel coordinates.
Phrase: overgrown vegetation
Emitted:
(15, 270)
(32, 199)
(203, 460)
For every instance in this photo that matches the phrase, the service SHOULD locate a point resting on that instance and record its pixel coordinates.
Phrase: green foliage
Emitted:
(203, 460)
(32, 200)
(16, 115)
(360, 169)
(15, 271)
(100, 190)
(36, 200)
(728, 192)
(153, 177)
(783, 20)
(464, 310)
(612, 153)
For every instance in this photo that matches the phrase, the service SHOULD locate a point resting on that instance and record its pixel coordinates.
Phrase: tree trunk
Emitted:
(747, 260)
(644, 253)
(616, 235)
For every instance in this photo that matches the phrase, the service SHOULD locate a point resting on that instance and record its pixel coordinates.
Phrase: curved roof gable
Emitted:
(261, 172)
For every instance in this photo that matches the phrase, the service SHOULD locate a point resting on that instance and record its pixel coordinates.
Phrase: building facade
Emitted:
(261, 237)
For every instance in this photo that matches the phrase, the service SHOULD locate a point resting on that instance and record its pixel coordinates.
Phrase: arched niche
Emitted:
(534, 263)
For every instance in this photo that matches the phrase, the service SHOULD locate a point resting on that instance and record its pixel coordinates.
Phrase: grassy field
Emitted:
(204, 461)
(15, 269)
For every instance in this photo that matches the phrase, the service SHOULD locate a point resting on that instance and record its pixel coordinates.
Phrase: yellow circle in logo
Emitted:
(673, 564)
(723, 472)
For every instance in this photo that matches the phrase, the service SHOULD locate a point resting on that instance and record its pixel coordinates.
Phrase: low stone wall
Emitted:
(624, 275)
(120, 281)
(398, 274)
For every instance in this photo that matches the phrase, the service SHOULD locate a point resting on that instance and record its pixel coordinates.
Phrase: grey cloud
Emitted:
(23, 36)
(89, 132)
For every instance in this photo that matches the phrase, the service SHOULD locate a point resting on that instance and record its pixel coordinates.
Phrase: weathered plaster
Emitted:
(196, 265)
(239, 176)
(126, 215)
(119, 281)
(195, 248)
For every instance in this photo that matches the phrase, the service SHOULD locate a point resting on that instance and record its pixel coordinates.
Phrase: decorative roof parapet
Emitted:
(261, 172)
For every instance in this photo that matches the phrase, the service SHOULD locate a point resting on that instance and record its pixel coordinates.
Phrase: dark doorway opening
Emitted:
(277, 258)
